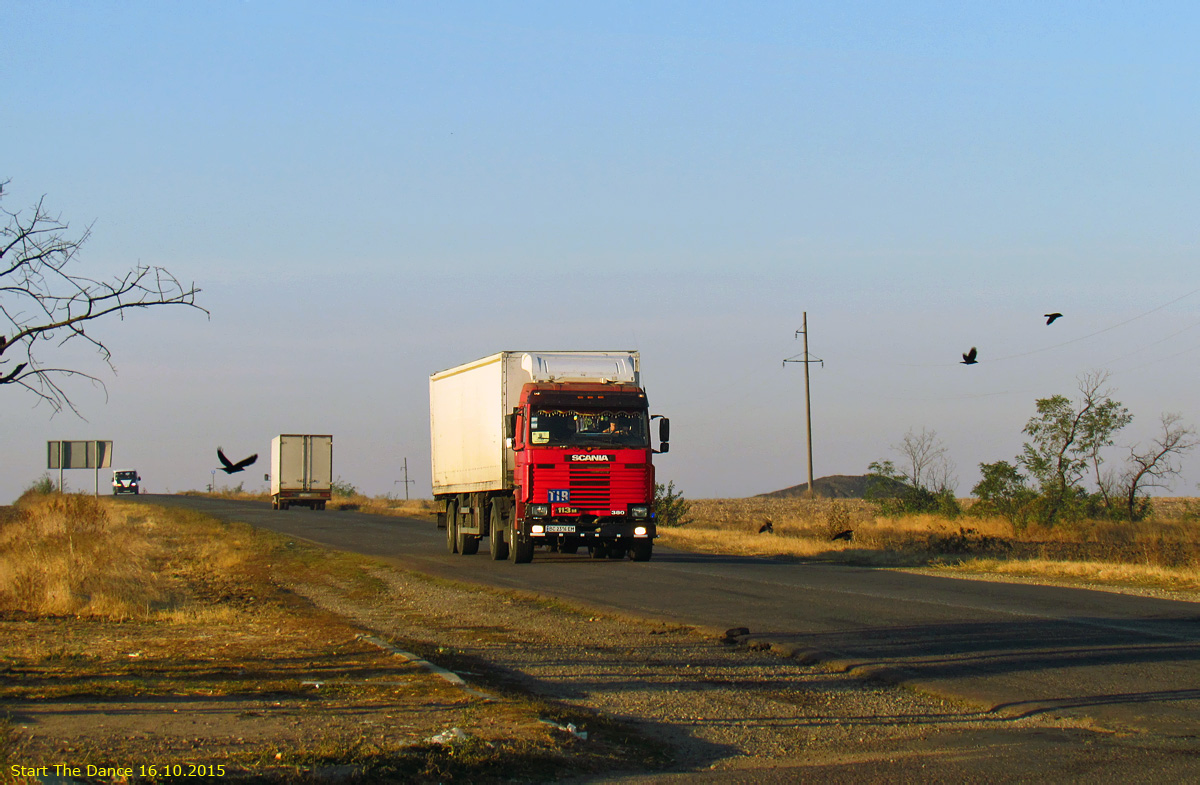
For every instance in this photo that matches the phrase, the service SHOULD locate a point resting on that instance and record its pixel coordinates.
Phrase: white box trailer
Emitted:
(468, 405)
(301, 470)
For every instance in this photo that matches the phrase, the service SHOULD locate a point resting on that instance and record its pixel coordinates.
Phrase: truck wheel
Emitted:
(520, 549)
(468, 544)
(616, 552)
(599, 550)
(452, 527)
(642, 551)
(497, 524)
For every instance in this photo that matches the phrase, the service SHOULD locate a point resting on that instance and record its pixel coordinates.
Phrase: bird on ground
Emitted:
(969, 357)
(1050, 317)
(767, 528)
(229, 467)
(846, 535)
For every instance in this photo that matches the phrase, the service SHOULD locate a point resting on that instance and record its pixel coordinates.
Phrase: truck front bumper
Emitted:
(551, 529)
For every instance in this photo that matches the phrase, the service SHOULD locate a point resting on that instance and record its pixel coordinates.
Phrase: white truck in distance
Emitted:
(545, 449)
(301, 471)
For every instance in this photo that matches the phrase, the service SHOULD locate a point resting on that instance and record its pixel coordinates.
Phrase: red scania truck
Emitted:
(546, 449)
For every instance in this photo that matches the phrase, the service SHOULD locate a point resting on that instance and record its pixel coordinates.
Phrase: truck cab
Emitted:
(583, 471)
(126, 481)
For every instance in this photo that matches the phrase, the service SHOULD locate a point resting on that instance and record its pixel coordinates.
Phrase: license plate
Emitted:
(556, 529)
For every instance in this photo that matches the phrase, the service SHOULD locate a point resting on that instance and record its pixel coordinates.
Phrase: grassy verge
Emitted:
(132, 635)
(1162, 552)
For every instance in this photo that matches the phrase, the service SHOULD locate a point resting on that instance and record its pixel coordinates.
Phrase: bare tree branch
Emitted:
(926, 462)
(43, 301)
(1152, 466)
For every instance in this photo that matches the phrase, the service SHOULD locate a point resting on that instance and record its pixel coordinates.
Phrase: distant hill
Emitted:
(836, 486)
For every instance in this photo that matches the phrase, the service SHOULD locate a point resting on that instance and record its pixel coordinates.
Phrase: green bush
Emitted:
(342, 488)
(670, 508)
(43, 485)
(891, 492)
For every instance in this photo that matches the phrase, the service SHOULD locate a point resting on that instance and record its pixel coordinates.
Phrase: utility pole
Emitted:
(807, 360)
(406, 481)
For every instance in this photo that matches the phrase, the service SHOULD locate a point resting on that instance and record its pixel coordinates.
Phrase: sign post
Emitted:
(95, 455)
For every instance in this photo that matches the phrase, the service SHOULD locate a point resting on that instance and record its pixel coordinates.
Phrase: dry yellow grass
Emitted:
(1161, 552)
(76, 555)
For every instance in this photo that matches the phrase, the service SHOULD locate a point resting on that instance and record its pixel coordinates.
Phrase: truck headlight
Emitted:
(539, 510)
(537, 528)
(639, 531)
(639, 511)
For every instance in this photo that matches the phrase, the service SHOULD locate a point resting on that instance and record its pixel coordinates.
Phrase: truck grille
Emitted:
(590, 485)
(595, 487)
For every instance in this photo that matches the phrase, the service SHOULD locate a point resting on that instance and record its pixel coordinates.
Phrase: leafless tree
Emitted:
(1152, 466)
(44, 302)
(925, 464)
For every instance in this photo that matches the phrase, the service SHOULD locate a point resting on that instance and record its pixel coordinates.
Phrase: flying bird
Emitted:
(969, 357)
(846, 535)
(767, 528)
(229, 467)
(1050, 317)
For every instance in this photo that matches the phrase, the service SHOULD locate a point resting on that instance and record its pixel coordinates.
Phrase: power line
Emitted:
(1099, 332)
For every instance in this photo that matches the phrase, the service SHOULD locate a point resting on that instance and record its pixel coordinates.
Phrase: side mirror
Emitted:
(510, 424)
(664, 433)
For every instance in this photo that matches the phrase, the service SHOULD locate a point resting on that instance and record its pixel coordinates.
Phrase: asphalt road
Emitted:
(1129, 662)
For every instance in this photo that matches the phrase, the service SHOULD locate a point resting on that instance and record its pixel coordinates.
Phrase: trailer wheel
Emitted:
(468, 544)
(497, 525)
(642, 550)
(520, 549)
(452, 527)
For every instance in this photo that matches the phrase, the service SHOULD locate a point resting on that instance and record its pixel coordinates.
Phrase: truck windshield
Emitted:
(588, 428)
(126, 475)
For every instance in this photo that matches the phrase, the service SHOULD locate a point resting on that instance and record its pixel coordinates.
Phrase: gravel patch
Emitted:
(718, 705)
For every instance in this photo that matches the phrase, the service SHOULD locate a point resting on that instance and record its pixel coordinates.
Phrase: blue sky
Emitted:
(368, 192)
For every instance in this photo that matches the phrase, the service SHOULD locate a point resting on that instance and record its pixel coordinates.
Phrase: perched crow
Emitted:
(969, 357)
(767, 528)
(846, 535)
(230, 467)
(1050, 317)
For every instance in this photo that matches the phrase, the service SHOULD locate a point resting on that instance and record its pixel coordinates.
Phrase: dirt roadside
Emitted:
(278, 683)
